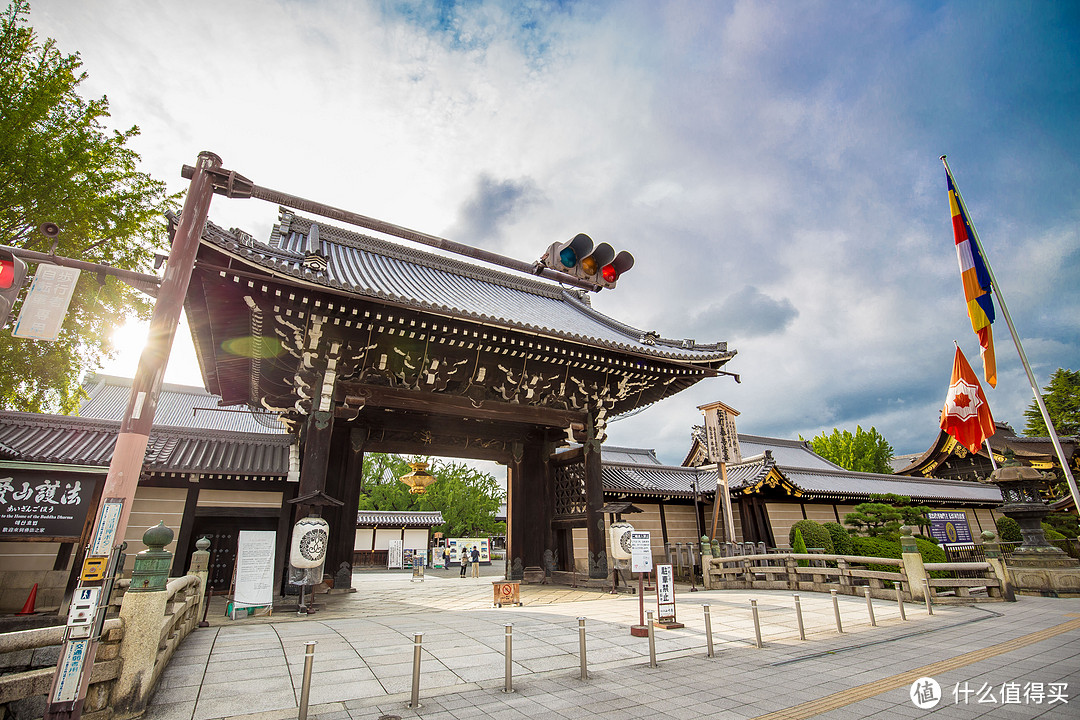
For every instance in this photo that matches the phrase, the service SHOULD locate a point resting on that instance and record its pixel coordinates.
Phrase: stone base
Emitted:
(532, 575)
(1045, 581)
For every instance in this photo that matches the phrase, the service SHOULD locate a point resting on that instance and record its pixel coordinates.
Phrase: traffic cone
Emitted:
(28, 608)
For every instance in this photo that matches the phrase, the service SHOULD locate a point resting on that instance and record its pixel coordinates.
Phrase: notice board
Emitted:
(255, 568)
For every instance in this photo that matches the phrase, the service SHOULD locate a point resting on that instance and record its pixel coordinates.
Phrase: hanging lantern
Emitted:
(418, 479)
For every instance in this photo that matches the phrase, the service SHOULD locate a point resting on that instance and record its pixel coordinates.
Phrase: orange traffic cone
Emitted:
(28, 608)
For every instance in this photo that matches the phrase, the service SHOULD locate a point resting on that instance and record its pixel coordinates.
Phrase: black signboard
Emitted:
(949, 527)
(44, 504)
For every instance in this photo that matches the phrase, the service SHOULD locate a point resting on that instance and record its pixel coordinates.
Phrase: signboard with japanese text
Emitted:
(641, 552)
(665, 594)
(43, 505)
(46, 303)
(255, 550)
(949, 527)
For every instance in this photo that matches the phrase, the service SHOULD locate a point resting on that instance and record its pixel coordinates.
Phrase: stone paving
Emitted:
(995, 660)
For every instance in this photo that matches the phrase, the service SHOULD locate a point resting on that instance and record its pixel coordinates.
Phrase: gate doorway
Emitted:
(223, 532)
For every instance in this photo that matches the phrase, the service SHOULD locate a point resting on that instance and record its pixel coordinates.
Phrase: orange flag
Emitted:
(966, 415)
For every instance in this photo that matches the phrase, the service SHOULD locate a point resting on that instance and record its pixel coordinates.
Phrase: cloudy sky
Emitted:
(773, 166)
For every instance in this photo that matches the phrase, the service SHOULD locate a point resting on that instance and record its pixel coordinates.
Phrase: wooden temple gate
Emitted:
(362, 345)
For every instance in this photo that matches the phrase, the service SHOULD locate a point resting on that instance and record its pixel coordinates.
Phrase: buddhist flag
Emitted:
(980, 305)
(966, 415)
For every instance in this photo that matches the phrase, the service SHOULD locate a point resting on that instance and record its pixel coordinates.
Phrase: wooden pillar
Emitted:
(346, 473)
(529, 510)
(594, 518)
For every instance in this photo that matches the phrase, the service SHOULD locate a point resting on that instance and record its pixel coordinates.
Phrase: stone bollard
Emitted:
(914, 569)
(200, 568)
(142, 612)
(993, 557)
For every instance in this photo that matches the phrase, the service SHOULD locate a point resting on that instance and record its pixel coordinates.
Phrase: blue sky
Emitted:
(772, 165)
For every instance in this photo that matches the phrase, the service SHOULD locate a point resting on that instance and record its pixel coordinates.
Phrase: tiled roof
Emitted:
(178, 406)
(69, 440)
(401, 518)
(403, 275)
(649, 479)
(835, 484)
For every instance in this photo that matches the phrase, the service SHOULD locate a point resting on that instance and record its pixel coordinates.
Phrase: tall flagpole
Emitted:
(1019, 348)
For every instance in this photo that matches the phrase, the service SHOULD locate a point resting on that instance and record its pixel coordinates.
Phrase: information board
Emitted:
(641, 552)
(36, 504)
(255, 568)
(949, 527)
(665, 594)
(394, 555)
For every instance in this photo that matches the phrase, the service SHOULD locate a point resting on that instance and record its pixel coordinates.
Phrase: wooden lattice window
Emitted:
(570, 489)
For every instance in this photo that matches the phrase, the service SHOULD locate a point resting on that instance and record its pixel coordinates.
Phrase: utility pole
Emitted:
(68, 691)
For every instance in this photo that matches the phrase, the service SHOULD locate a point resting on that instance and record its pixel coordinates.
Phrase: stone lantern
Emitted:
(1035, 566)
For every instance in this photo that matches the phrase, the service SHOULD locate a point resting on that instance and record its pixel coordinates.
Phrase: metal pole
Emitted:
(581, 648)
(418, 639)
(652, 640)
(836, 611)
(125, 467)
(509, 686)
(870, 607)
(305, 690)
(757, 623)
(708, 629)
(900, 600)
(798, 616)
(929, 602)
(996, 287)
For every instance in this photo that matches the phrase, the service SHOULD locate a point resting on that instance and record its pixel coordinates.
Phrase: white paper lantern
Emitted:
(310, 536)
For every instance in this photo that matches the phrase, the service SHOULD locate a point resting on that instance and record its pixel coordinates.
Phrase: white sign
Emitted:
(255, 568)
(641, 552)
(46, 303)
(71, 665)
(394, 555)
(665, 593)
(106, 530)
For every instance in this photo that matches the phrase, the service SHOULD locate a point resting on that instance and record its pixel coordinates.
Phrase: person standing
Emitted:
(474, 557)
(464, 560)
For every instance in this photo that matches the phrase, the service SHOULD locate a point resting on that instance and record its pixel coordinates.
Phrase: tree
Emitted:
(58, 163)
(885, 514)
(863, 452)
(468, 499)
(1062, 398)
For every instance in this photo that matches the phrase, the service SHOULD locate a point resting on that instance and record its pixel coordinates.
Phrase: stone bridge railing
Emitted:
(132, 651)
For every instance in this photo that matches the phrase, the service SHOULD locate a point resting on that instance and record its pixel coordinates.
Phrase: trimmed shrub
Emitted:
(1009, 530)
(880, 547)
(841, 539)
(814, 535)
(798, 546)
(1051, 533)
(1065, 523)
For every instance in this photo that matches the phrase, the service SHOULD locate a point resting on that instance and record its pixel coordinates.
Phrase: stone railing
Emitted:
(851, 574)
(132, 651)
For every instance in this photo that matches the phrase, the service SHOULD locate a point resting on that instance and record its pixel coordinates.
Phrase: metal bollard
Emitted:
(652, 638)
(798, 616)
(870, 607)
(836, 611)
(418, 639)
(929, 602)
(581, 647)
(757, 623)
(708, 630)
(305, 690)
(900, 600)
(509, 687)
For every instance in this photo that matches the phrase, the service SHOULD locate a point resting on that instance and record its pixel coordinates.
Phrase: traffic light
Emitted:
(599, 264)
(12, 278)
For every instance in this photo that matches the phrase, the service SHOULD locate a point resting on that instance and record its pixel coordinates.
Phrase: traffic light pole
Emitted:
(68, 691)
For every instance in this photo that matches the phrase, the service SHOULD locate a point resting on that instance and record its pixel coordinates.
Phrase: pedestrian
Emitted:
(464, 561)
(475, 558)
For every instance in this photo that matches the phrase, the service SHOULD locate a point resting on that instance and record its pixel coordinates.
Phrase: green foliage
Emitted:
(885, 548)
(1009, 530)
(1062, 398)
(841, 540)
(814, 535)
(1065, 523)
(58, 163)
(468, 499)
(1051, 533)
(865, 451)
(798, 546)
(885, 515)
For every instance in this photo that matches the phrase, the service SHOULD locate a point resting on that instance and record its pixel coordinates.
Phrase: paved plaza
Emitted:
(994, 660)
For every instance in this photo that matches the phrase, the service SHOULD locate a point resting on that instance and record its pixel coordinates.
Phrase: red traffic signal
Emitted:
(598, 264)
(12, 278)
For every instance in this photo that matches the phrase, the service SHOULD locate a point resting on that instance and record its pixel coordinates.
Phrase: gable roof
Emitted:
(405, 276)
